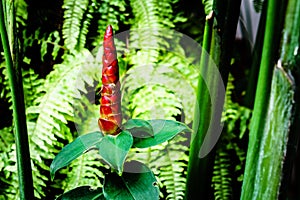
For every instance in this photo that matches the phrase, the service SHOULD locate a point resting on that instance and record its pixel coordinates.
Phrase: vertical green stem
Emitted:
(218, 40)
(264, 113)
(194, 184)
(290, 59)
(256, 58)
(19, 117)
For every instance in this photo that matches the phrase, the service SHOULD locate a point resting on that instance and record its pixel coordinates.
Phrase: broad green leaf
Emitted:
(163, 130)
(73, 150)
(114, 148)
(139, 128)
(82, 193)
(137, 182)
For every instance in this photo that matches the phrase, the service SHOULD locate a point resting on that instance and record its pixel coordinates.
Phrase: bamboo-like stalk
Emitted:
(193, 184)
(289, 58)
(255, 60)
(19, 117)
(267, 139)
(218, 38)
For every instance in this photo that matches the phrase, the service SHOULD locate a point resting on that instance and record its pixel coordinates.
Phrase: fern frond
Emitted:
(21, 12)
(76, 21)
(221, 180)
(6, 138)
(10, 169)
(53, 39)
(111, 12)
(31, 83)
(150, 29)
(55, 107)
(149, 44)
(155, 102)
(174, 78)
(8, 177)
(54, 110)
(86, 114)
(5, 90)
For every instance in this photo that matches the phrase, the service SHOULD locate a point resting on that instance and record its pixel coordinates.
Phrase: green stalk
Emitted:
(260, 175)
(19, 117)
(290, 63)
(218, 38)
(194, 184)
(256, 59)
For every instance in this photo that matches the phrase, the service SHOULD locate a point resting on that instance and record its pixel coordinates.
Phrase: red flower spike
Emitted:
(110, 119)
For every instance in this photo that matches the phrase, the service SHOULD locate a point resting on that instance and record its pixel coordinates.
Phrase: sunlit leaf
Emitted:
(139, 128)
(73, 150)
(163, 130)
(114, 148)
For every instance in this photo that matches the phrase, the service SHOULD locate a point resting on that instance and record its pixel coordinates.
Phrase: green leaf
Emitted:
(163, 130)
(114, 148)
(139, 128)
(82, 193)
(73, 150)
(137, 182)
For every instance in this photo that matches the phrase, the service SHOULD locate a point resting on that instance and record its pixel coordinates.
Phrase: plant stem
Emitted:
(290, 62)
(264, 133)
(256, 59)
(218, 38)
(194, 185)
(19, 117)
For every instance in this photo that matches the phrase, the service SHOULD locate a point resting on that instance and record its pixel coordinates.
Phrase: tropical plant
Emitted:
(115, 140)
(57, 49)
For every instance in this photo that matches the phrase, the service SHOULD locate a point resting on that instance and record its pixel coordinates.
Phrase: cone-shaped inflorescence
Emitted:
(110, 103)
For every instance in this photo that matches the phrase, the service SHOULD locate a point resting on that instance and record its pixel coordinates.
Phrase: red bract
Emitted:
(110, 119)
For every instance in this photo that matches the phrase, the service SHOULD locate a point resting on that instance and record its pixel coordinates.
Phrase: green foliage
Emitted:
(168, 162)
(53, 39)
(5, 91)
(208, 6)
(7, 178)
(221, 176)
(86, 170)
(21, 12)
(75, 27)
(137, 184)
(146, 86)
(73, 150)
(51, 102)
(114, 149)
(150, 30)
(31, 85)
(160, 72)
(48, 122)
(106, 12)
(31, 82)
(79, 15)
(236, 119)
(172, 175)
